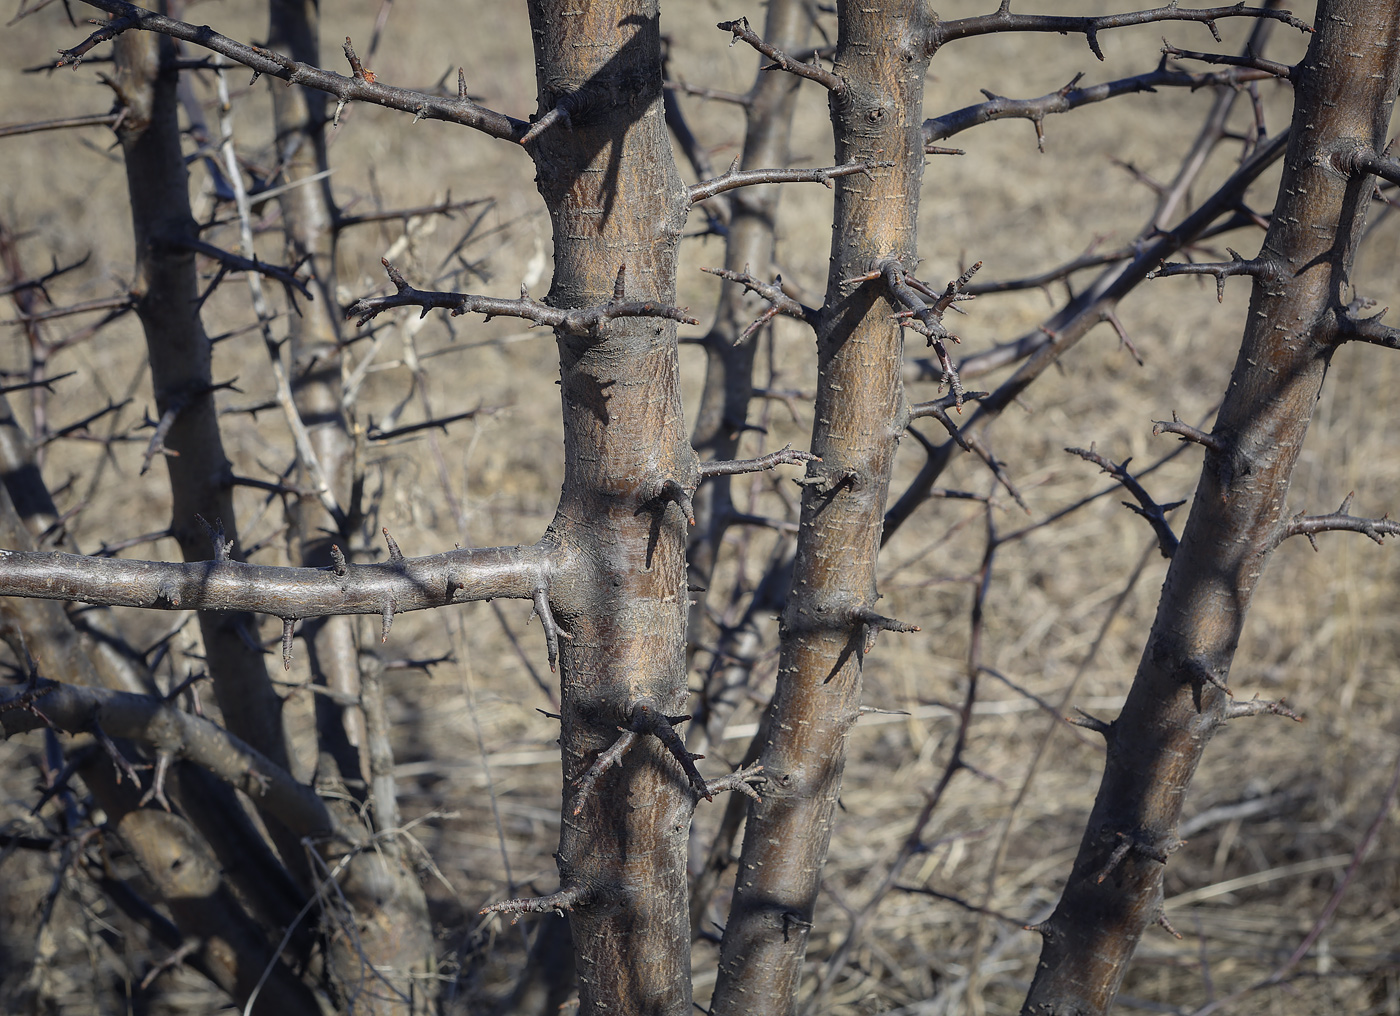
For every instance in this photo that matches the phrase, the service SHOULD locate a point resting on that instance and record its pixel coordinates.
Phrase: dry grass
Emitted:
(473, 749)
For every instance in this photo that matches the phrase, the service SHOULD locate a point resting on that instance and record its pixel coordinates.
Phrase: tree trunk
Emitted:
(615, 199)
(1345, 88)
(859, 416)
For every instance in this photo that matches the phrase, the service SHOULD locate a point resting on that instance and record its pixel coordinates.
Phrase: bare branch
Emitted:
(96, 120)
(162, 726)
(1003, 20)
(1351, 327)
(1260, 269)
(410, 584)
(938, 410)
(1270, 68)
(1154, 513)
(360, 87)
(1357, 161)
(1071, 96)
(929, 317)
(1339, 521)
(586, 321)
(786, 456)
(1187, 433)
(741, 31)
(779, 302)
(733, 177)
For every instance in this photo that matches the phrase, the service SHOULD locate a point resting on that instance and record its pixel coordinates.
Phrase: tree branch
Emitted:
(999, 107)
(733, 178)
(165, 728)
(787, 456)
(1003, 20)
(586, 321)
(779, 302)
(1340, 520)
(361, 86)
(408, 584)
(742, 32)
(1154, 513)
(1260, 269)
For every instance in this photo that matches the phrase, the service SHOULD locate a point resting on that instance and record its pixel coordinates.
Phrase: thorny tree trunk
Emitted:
(859, 414)
(722, 417)
(615, 198)
(1345, 89)
(391, 932)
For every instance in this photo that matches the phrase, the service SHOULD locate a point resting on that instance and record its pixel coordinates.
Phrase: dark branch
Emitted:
(360, 87)
(1339, 521)
(938, 410)
(1351, 327)
(1154, 513)
(1003, 20)
(1187, 433)
(1260, 269)
(779, 302)
(167, 729)
(998, 107)
(586, 321)
(96, 120)
(1269, 68)
(741, 31)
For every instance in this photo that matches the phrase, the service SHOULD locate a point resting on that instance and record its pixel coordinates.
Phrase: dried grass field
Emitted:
(1275, 812)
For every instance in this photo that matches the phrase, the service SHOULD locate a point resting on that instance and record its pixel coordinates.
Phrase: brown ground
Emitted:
(478, 762)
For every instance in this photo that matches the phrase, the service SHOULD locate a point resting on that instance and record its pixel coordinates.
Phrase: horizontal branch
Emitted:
(1270, 68)
(1003, 20)
(1260, 269)
(168, 730)
(96, 120)
(587, 321)
(782, 457)
(406, 584)
(1340, 520)
(938, 410)
(1353, 328)
(230, 262)
(812, 72)
(999, 107)
(124, 302)
(733, 177)
(360, 87)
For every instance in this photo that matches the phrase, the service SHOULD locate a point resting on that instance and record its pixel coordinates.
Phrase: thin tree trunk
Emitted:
(615, 199)
(392, 933)
(1345, 88)
(859, 416)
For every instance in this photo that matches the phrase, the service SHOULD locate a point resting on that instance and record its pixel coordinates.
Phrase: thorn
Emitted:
(395, 555)
(620, 286)
(461, 84)
(338, 562)
(288, 623)
(388, 621)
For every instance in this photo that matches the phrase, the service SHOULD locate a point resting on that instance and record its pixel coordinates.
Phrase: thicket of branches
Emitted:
(266, 849)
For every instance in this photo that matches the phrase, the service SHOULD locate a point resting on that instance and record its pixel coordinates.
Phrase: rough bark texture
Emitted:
(859, 416)
(1345, 89)
(615, 198)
